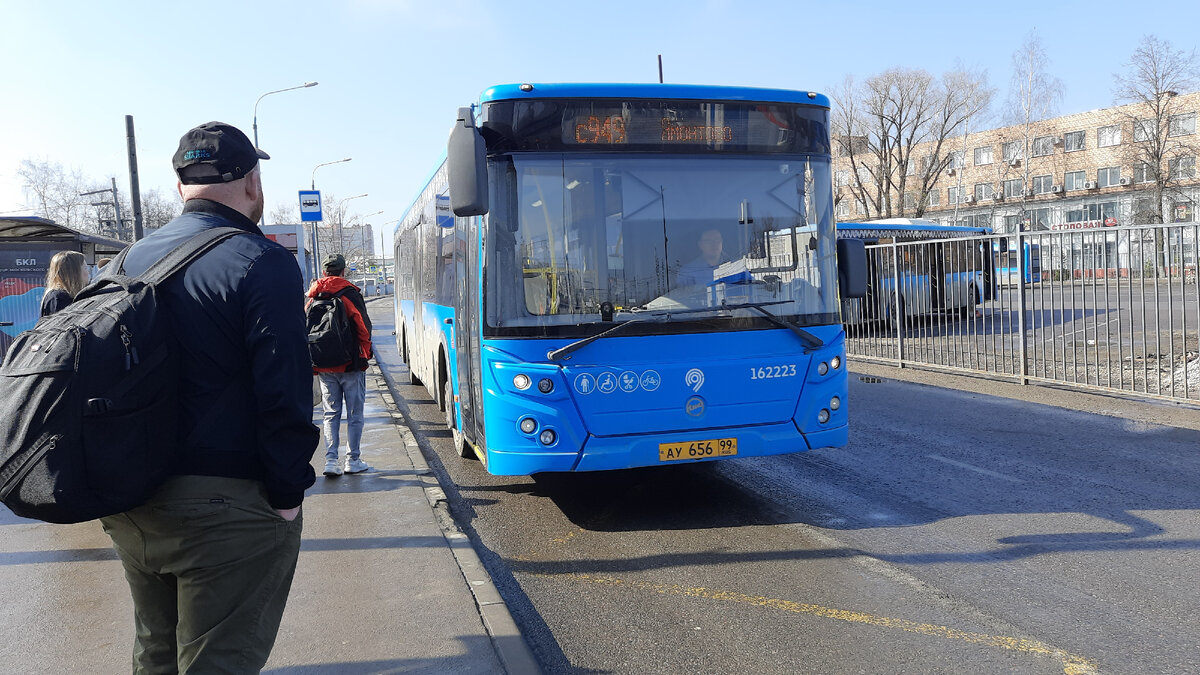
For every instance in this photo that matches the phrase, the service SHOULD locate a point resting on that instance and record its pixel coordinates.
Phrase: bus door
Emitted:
(936, 263)
(466, 334)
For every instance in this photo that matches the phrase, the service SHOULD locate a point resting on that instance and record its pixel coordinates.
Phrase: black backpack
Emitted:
(331, 338)
(89, 397)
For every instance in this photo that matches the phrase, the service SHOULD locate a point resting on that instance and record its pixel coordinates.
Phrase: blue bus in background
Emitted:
(610, 276)
(919, 268)
(1006, 262)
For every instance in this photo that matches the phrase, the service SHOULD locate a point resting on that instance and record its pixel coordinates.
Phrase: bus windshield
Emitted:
(576, 242)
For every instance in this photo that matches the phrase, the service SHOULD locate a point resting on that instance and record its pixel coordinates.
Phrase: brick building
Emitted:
(1083, 171)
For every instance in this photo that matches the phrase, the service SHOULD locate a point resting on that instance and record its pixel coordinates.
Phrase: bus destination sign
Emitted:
(612, 130)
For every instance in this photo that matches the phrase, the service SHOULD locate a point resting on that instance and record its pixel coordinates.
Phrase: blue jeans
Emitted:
(353, 388)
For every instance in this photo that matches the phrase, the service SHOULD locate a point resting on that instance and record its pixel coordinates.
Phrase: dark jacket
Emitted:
(246, 380)
(54, 300)
(356, 309)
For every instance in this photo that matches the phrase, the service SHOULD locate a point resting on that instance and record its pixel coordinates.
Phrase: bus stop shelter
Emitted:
(26, 245)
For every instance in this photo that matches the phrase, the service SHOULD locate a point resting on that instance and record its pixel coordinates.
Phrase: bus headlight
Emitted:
(836, 362)
(547, 437)
(521, 381)
(545, 385)
(823, 368)
(835, 403)
(529, 425)
(823, 416)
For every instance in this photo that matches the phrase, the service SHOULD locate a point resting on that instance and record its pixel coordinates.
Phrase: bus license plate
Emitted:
(716, 447)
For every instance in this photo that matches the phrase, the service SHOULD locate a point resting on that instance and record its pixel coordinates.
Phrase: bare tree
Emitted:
(158, 208)
(284, 213)
(1153, 77)
(1033, 96)
(894, 129)
(54, 193)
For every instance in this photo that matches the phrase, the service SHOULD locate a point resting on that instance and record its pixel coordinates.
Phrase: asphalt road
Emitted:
(960, 531)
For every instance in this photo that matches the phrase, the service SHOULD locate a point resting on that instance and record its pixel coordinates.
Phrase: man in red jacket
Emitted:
(346, 381)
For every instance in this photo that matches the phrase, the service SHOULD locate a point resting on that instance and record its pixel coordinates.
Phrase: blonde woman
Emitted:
(68, 274)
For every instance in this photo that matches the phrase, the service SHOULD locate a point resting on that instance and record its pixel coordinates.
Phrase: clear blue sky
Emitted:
(392, 73)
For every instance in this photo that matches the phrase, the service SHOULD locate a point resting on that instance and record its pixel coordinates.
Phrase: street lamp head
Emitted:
(310, 84)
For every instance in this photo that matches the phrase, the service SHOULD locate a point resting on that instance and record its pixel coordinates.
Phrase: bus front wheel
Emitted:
(968, 309)
(460, 442)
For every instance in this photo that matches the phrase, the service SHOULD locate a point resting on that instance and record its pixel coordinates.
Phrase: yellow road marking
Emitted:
(1072, 664)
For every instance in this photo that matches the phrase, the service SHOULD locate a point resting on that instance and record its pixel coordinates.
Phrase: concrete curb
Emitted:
(510, 646)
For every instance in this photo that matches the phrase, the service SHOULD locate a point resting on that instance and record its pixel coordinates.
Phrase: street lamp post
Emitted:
(338, 225)
(315, 244)
(362, 235)
(300, 86)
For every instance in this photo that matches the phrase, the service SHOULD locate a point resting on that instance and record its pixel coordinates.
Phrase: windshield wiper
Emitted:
(812, 341)
(809, 339)
(557, 354)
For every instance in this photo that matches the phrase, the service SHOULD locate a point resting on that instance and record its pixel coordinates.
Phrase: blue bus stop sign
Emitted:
(310, 205)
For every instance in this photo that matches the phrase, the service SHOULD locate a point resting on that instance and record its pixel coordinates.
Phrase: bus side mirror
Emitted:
(466, 167)
(852, 268)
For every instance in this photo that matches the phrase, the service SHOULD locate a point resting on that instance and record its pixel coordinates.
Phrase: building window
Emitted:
(1012, 150)
(1181, 212)
(1181, 168)
(908, 168)
(910, 200)
(1037, 220)
(1043, 145)
(1182, 125)
(983, 155)
(843, 209)
(1074, 141)
(1041, 184)
(861, 205)
(1108, 136)
(1144, 130)
(951, 195)
(1143, 211)
(1011, 223)
(1108, 176)
(1013, 188)
(1092, 212)
(1142, 173)
(956, 160)
(935, 198)
(864, 175)
(984, 191)
(1073, 180)
(841, 178)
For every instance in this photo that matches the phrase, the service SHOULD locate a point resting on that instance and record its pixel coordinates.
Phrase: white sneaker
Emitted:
(333, 468)
(356, 466)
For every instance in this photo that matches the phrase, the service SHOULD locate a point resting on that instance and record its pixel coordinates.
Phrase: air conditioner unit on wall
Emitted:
(1090, 185)
(950, 171)
(1058, 140)
(1056, 189)
(997, 196)
(1014, 162)
(1126, 181)
(1030, 193)
(969, 198)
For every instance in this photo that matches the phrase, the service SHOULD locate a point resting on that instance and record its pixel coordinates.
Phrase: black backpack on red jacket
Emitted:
(332, 341)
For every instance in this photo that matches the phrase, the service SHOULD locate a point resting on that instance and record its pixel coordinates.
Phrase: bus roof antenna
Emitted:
(660, 80)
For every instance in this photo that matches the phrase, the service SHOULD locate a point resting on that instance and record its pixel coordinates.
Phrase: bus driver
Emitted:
(699, 271)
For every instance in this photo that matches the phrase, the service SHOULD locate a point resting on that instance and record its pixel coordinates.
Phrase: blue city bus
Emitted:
(605, 276)
(941, 269)
(1006, 262)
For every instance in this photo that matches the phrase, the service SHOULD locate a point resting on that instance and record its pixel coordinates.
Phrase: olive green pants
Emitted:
(209, 564)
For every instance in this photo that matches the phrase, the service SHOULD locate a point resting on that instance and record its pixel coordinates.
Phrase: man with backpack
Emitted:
(210, 557)
(339, 344)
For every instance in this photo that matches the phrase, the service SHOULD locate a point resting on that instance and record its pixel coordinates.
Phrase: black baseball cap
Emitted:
(215, 152)
(335, 262)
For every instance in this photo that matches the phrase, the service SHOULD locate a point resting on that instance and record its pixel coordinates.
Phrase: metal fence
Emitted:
(1111, 308)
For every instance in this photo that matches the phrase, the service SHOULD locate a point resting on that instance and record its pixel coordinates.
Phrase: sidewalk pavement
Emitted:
(385, 582)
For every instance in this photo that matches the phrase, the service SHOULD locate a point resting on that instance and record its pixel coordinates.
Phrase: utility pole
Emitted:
(135, 190)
